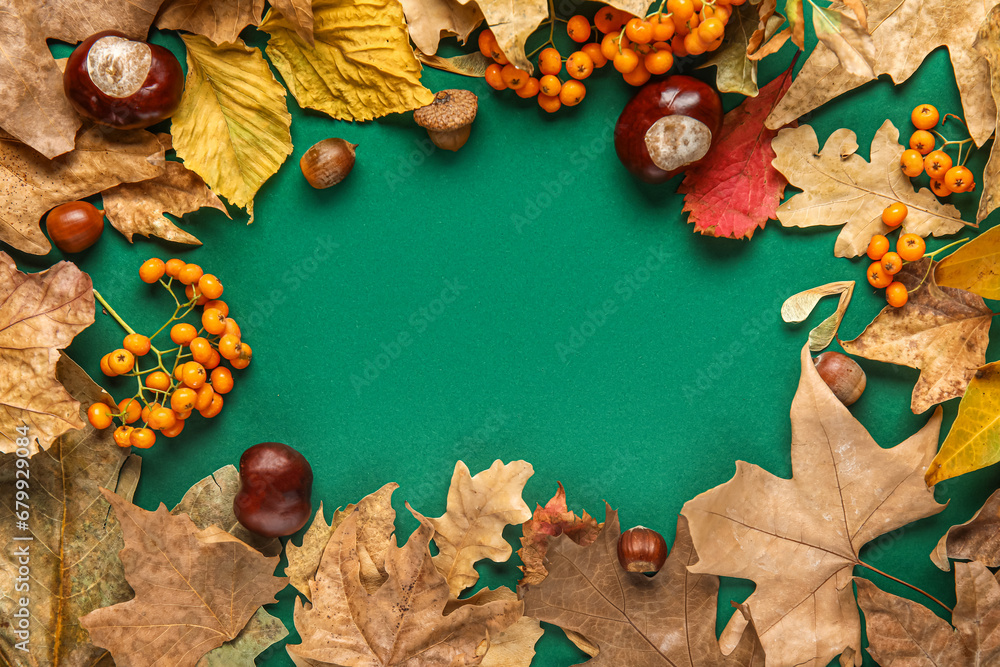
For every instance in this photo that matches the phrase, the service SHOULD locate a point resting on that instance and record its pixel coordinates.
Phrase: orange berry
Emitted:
(681, 9)
(214, 361)
(201, 350)
(912, 163)
(194, 374)
(232, 328)
(924, 117)
(677, 46)
(213, 321)
(174, 430)
(210, 286)
(142, 438)
(183, 399)
(173, 267)
(693, 44)
(190, 274)
(549, 61)
(121, 361)
(937, 163)
(213, 409)
(204, 399)
(192, 293)
(626, 61)
(711, 30)
(158, 380)
(219, 305)
(877, 275)
(579, 65)
(222, 380)
(892, 263)
(606, 20)
(137, 344)
(956, 179)
(896, 294)
(663, 27)
(596, 56)
(99, 415)
(877, 247)
(152, 270)
(106, 367)
(578, 29)
(161, 418)
(229, 346)
(183, 333)
(911, 247)
(550, 103)
(658, 62)
(717, 11)
(179, 371)
(514, 77)
(637, 77)
(130, 410)
(939, 188)
(121, 436)
(549, 85)
(894, 214)
(639, 31)
(243, 360)
(495, 78)
(922, 141)
(572, 93)
(488, 43)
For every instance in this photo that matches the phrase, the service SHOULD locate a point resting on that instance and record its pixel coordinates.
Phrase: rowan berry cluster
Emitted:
(886, 264)
(187, 378)
(947, 176)
(638, 47)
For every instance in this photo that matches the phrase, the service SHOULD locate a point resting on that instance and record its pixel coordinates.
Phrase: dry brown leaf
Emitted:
(765, 11)
(736, 72)
(548, 522)
(76, 539)
(469, 64)
(903, 632)
(479, 508)
(260, 633)
(798, 539)
(667, 619)
(138, 208)
(515, 646)
(219, 20)
(40, 314)
(843, 34)
(941, 330)
(30, 184)
(838, 189)
(987, 44)
(402, 622)
(797, 21)
(73, 21)
(194, 590)
(904, 32)
(798, 307)
(977, 539)
(512, 23)
(299, 14)
(860, 12)
(430, 20)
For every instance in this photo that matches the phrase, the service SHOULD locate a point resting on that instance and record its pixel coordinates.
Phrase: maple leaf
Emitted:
(735, 190)
(260, 633)
(941, 330)
(40, 314)
(194, 590)
(839, 186)
(233, 126)
(798, 307)
(736, 72)
(479, 508)
(974, 267)
(138, 208)
(548, 522)
(429, 20)
(30, 184)
(402, 622)
(798, 539)
(904, 32)
(904, 632)
(75, 543)
(635, 620)
(219, 20)
(977, 539)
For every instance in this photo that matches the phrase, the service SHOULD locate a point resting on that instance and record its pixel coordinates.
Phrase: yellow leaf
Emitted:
(974, 267)
(361, 66)
(974, 439)
(232, 128)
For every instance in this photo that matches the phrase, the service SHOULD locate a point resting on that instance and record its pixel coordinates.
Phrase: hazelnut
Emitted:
(449, 117)
(642, 549)
(842, 374)
(328, 162)
(75, 226)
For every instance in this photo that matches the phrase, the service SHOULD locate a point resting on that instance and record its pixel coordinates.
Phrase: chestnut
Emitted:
(669, 125)
(127, 84)
(275, 493)
(642, 549)
(842, 374)
(75, 226)
(328, 162)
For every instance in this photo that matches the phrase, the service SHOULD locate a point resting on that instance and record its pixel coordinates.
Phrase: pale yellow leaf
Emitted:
(975, 267)
(797, 307)
(513, 22)
(430, 20)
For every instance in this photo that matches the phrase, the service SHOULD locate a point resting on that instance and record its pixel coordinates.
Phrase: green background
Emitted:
(646, 410)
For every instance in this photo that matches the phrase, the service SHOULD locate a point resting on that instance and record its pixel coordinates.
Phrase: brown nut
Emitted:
(75, 226)
(449, 117)
(842, 374)
(327, 162)
(642, 549)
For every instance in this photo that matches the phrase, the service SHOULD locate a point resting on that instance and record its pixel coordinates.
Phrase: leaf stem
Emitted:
(900, 581)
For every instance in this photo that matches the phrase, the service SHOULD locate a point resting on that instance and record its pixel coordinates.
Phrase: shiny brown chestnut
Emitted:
(75, 226)
(669, 125)
(842, 374)
(274, 499)
(126, 84)
(642, 549)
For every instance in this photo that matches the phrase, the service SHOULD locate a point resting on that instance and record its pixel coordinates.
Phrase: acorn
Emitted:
(642, 549)
(842, 374)
(448, 119)
(328, 162)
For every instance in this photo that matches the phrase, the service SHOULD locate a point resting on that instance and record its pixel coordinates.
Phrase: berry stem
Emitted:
(900, 581)
(112, 313)
(943, 248)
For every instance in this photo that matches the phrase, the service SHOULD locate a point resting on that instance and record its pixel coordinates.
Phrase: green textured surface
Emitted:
(647, 408)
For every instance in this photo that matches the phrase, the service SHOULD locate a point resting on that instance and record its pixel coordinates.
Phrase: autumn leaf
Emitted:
(40, 314)
(904, 33)
(798, 539)
(977, 539)
(798, 307)
(219, 20)
(515, 646)
(402, 622)
(299, 14)
(839, 186)
(847, 38)
(429, 20)
(75, 537)
(194, 590)
(736, 73)
(546, 523)
(635, 620)
(904, 632)
(30, 184)
(513, 22)
(261, 632)
(941, 330)
(735, 190)
(361, 66)
(233, 127)
(468, 64)
(72, 22)
(975, 267)
(987, 44)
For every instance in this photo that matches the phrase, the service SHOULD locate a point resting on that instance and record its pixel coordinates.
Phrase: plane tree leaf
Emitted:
(219, 20)
(977, 539)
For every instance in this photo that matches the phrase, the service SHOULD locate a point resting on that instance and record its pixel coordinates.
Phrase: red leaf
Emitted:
(549, 521)
(735, 189)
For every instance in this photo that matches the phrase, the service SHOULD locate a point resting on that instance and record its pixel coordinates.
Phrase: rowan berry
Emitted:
(639, 31)
(152, 270)
(99, 415)
(937, 163)
(130, 410)
(877, 247)
(658, 62)
(578, 28)
(173, 267)
(550, 103)
(179, 372)
(912, 163)
(877, 276)
(204, 398)
(663, 27)
(716, 11)
(148, 410)
(892, 263)
(142, 438)
(213, 361)
(626, 61)
(219, 305)
(549, 85)
(513, 76)
(677, 46)
(594, 51)
(711, 30)
(201, 349)
(190, 274)
(924, 117)
(222, 380)
(192, 293)
(488, 43)
(922, 141)
(958, 179)
(694, 45)
(174, 430)
(579, 65)
(894, 214)
(495, 78)
(183, 399)
(183, 333)
(210, 286)
(106, 367)
(194, 374)
(896, 294)
(229, 346)
(637, 77)
(121, 361)
(681, 9)
(911, 247)
(612, 45)
(161, 418)
(158, 380)
(607, 20)
(121, 436)
(213, 409)
(572, 93)
(137, 344)
(232, 328)
(939, 188)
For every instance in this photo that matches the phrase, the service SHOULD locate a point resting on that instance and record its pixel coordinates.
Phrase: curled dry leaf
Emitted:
(260, 633)
(798, 307)
(667, 619)
(977, 539)
(847, 38)
(512, 23)
(838, 188)
(515, 646)
(975, 267)
(361, 65)
(76, 539)
(546, 523)
(736, 73)
(904, 632)
(194, 590)
(429, 20)
(941, 330)
(233, 127)
(299, 14)
(40, 314)
(219, 20)
(469, 64)
(799, 539)
(987, 44)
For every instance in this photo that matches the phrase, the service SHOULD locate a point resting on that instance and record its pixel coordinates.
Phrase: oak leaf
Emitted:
(260, 633)
(904, 33)
(735, 189)
(194, 590)
(798, 539)
(798, 307)
(987, 44)
(546, 523)
(361, 65)
(904, 632)
(233, 126)
(479, 508)
(515, 646)
(974, 267)
(76, 538)
(736, 72)
(977, 539)
(839, 186)
(40, 314)
(941, 330)
(30, 184)
(632, 619)
(430, 20)
(219, 20)
(402, 622)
